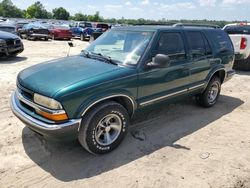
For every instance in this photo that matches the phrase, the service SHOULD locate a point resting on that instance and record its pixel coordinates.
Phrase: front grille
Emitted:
(12, 42)
(25, 92)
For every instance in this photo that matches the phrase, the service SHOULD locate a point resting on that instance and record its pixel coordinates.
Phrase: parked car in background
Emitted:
(34, 31)
(104, 27)
(94, 95)
(59, 32)
(98, 31)
(240, 36)
(8, 28)
(82, 29)
(20, 24)
(10, 44)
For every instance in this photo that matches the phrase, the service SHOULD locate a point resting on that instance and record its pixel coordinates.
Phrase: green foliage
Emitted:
(60, 13)
(80, 17)
(83, 17)
(8, 9)
(37, 10)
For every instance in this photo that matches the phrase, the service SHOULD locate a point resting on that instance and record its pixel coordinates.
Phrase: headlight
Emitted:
(2, 42)
(47, 102)
(57, 113)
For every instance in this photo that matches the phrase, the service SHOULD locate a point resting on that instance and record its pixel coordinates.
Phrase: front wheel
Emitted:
(104, 127)
(210, 96)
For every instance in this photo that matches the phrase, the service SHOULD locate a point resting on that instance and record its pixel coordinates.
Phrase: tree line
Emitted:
(38, 11)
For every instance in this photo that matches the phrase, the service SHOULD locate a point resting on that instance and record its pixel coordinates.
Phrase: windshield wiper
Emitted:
(106, 58)
(99, 55)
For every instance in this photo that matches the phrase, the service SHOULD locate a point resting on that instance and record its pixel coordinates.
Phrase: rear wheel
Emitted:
(210, 96)
(104, 127)
(82, 37)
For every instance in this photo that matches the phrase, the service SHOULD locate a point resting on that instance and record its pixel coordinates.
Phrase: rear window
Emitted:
(103, 26)
(237, 29)
(222, 41)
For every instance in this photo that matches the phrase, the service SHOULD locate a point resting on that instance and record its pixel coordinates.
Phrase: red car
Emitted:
(59, 32)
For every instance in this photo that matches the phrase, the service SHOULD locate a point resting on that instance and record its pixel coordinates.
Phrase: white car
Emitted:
(240, 37)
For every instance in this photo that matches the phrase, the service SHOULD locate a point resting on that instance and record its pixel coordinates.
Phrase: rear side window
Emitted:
(222, 41)
(197, 44)
(238, 29)
(172, 45)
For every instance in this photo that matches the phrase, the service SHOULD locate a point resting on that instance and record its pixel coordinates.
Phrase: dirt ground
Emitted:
(181, 145)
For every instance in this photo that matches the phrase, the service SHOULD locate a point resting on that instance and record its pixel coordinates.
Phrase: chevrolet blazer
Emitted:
(94, 95)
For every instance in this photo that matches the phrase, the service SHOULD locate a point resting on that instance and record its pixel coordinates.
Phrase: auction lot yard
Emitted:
(181, 145)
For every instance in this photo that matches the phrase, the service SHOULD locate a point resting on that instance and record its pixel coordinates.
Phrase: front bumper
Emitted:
(11, 50)
(67, 130)
(38, 35)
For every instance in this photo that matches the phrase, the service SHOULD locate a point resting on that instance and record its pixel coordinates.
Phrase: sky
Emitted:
(153, 9)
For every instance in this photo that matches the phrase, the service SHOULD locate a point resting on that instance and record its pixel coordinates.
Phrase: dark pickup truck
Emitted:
(94, 95)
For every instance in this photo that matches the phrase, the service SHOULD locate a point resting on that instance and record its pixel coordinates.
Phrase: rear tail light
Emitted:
(243, 43)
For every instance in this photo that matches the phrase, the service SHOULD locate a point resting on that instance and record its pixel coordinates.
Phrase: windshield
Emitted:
(238, 29)
(7, 29)
(123, 46)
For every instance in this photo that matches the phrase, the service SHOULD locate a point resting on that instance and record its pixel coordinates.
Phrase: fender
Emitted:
(212, 72)
(90, 102)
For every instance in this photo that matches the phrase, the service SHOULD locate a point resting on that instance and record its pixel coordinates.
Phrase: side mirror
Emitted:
(160, 61)
(70, 44)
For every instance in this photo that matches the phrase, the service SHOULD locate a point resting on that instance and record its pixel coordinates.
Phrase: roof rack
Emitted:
(196, 25)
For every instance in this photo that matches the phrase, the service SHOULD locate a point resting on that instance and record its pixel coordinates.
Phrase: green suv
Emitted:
(94, 95)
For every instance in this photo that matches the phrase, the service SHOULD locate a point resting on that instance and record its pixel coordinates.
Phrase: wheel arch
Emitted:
(221, 73)
(126, 101)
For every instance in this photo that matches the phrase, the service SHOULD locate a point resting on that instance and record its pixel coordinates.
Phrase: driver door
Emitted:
(157, 84)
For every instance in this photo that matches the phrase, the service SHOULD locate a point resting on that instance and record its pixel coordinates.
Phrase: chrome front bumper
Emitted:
(49, 130)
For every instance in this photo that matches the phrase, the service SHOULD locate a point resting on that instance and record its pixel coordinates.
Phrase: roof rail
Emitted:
(196, 25)
(160, 23)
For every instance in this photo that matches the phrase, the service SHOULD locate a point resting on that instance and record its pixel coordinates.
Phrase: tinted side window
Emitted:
(222, 41)
(208, 47)
(196, 43)
(172, 45)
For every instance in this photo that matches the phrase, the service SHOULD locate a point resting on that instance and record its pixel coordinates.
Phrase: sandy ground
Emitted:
(184, 146)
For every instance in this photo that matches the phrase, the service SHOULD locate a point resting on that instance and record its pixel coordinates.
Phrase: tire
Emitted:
(94, 130)
(82, 37)
(91, 39)
(46, 39)
(211, 94)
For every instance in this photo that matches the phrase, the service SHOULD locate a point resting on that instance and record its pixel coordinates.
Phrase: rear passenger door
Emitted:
(200, 53)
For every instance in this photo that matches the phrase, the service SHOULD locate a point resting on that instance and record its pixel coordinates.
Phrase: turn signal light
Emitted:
(54, 117)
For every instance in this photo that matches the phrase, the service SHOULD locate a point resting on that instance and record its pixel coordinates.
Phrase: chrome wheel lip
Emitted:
(108, 129)
(213, 93)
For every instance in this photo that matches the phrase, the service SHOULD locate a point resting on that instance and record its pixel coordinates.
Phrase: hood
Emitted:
(5, 35)
(50, 77)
